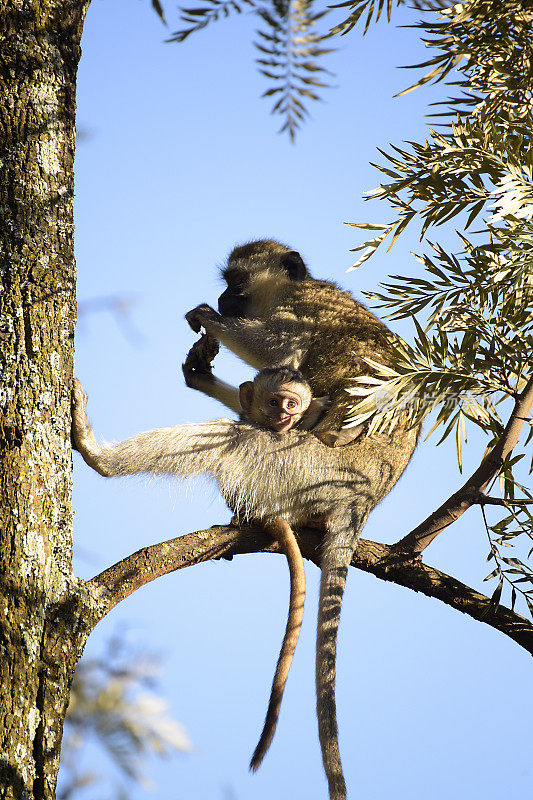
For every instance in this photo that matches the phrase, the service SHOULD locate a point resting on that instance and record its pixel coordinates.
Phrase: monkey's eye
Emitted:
(291, 403)
(236, 280)
(273, 403)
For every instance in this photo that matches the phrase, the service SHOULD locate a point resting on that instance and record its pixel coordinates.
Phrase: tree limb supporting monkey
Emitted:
(380, 560)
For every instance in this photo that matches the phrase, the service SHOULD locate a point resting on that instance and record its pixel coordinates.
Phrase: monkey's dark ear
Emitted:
(294, 264)
(246, 395)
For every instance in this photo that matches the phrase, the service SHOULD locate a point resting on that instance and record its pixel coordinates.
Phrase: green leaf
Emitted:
(158, 8)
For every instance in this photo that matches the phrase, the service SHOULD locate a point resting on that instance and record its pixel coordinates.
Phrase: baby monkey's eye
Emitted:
(273, 402)
(291, 404)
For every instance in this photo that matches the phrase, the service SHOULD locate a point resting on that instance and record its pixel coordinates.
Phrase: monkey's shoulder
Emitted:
(328, 303)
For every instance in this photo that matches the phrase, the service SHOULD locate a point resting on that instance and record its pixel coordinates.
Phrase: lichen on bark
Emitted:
(38, 62)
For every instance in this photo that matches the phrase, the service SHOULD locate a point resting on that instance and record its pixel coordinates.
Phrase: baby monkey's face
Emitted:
(284, 408)
(277, 398)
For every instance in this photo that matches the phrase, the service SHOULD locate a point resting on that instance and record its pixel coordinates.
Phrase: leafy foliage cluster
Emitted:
(472, 352)
(290, 43)
(373, 9)
(289, 47)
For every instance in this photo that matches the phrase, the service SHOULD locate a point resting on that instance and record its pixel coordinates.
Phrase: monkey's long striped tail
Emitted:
(336, 558)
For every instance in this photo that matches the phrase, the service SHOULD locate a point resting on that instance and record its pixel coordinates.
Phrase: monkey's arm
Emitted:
(82, 433)
(332, 438)
(317, 408)
(213, 387)
(257, 343)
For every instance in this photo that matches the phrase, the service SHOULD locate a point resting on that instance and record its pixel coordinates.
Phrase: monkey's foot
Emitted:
(339, 438)
(199, 358)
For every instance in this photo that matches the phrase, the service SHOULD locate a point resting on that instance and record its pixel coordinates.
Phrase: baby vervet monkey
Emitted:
(280, 398)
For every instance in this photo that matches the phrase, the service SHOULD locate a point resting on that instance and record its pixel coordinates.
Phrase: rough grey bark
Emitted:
(39, 53)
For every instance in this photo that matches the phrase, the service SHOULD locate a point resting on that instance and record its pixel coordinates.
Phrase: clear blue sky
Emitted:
(181, 162)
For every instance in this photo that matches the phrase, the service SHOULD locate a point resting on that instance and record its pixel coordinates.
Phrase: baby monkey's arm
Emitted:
(332, 438)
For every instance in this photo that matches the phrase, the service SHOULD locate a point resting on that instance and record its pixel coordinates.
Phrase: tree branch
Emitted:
(381, 560)
(420, 537)
(485, 500)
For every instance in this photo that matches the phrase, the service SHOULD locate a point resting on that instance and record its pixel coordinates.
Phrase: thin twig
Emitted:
(485, 500)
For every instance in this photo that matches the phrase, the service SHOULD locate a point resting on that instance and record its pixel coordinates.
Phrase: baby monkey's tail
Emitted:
(284, 534)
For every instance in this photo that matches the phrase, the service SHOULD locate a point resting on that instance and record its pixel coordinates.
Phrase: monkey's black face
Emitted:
(233, 301)
(249, 261)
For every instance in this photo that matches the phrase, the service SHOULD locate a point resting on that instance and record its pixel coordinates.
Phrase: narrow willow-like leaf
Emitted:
(158, 8)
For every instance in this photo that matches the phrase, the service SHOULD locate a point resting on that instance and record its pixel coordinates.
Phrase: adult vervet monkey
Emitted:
(271, 309)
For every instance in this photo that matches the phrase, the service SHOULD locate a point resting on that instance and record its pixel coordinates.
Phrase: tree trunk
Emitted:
(38, 62)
